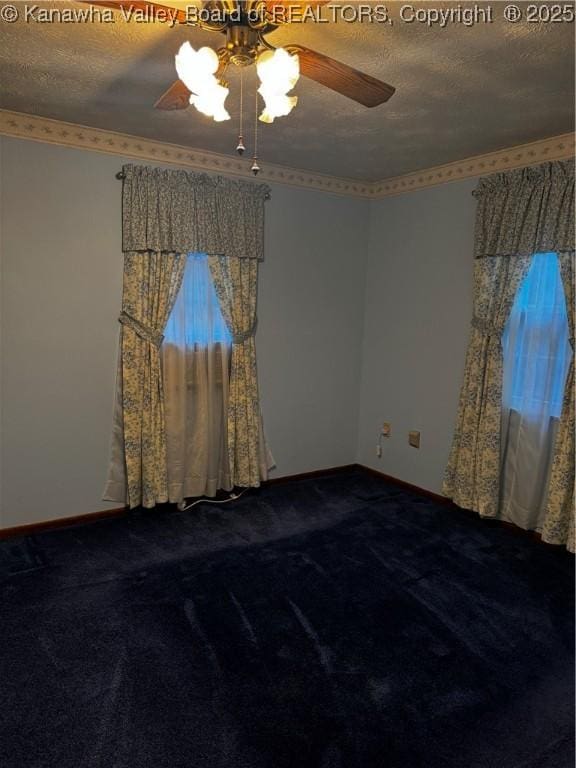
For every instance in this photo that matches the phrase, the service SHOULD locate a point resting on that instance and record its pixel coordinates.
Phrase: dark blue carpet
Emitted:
(329, 623)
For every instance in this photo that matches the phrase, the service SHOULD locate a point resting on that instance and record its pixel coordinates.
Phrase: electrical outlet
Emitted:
(414, 439)
(386, 429)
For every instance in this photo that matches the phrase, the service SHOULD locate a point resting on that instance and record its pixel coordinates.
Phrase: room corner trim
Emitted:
(309, 475)
(29, 529)
(24, 126)
(446, 501)
(437, 497)
(66, 522)
(59, 522)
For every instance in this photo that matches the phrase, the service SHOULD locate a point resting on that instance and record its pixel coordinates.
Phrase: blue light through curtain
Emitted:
(196, 372)
(536, 354)
(196, 317)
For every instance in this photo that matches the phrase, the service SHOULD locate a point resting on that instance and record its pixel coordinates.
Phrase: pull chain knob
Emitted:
(255, 167)
(240, 148)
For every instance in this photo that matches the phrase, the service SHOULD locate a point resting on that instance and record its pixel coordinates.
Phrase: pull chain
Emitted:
(255, 167)
(240, 148)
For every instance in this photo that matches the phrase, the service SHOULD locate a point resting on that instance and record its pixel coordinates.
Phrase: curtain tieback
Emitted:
(145, 332)
(240, 338)
(485, 327)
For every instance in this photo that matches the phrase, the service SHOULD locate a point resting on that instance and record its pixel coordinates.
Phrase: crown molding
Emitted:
(554, 148)
(24, 126)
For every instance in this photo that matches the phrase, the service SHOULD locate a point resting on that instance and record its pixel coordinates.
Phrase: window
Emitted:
(196, 319)
(536, 348)
(196, 372)
(536, 354)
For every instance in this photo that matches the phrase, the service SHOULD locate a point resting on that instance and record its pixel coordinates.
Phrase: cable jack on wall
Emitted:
(384, 432)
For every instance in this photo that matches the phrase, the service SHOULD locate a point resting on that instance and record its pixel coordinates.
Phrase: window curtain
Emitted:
(137, 473)
(196, 373)
(520, 213)
(167, 214)
(558, 527)
(236, 282)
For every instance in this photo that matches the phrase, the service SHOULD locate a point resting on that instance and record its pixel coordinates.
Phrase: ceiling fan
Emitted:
(245, 23)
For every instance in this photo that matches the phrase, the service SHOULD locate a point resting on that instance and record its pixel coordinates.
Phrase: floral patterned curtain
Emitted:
(167, 214)
(151, 284)
(520, 213)
(236, 283)
(558, 525)
(472, 477)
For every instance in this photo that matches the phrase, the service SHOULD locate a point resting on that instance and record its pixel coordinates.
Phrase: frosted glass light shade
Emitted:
(197, 71)
(278, 72)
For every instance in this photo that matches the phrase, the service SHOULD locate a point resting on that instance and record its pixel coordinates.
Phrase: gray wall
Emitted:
(60, 277)
(417, 314)
(311, 306)
(364, 312)
(61, 287)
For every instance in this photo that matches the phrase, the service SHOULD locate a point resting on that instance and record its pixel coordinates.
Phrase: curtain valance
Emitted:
(182, 212)
(526, 211)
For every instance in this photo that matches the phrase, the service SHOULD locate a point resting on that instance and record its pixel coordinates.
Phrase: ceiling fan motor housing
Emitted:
(243, 43)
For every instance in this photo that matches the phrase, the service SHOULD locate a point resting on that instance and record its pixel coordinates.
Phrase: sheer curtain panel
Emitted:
(559, 523)
(537, 354)
(196, 369)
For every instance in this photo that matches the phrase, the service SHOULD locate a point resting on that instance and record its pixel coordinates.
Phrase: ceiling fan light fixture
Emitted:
(211, 103)
(277, 106)
(278, 71)
(196, 69)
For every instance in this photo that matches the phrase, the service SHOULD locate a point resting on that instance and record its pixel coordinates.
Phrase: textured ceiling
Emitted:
(461, 91)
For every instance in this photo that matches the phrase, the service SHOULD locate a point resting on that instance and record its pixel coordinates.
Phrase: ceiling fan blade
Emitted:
(341, 78)
(151, 9)
(176, 97)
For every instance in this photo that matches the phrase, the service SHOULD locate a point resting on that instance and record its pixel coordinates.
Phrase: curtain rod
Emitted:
(121, 175)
